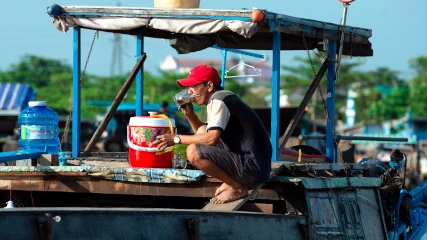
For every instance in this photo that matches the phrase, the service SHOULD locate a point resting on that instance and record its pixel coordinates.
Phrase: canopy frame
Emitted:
(277, 27)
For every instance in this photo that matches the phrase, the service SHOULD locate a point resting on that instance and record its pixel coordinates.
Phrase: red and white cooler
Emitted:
(141, 133)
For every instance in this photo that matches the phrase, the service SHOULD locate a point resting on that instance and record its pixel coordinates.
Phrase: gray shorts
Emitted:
(229, 162)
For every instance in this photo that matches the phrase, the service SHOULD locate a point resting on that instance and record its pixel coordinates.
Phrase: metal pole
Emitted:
(76, 93)
(224, 66)
(140, 75)
(246, 53)
(275, 100)
(343, 21)
(358, 138)
(330, 104)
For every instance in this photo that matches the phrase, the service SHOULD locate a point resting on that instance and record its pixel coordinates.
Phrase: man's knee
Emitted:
(201, 129)
(192, 154)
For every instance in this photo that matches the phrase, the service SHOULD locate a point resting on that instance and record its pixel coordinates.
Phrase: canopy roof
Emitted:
(191, 30)
(14, 97)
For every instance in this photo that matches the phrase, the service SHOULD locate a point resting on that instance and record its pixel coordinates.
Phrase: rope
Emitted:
(67, 124)
(325, 109)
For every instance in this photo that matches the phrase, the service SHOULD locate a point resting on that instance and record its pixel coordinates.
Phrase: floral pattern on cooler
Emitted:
(144, 136)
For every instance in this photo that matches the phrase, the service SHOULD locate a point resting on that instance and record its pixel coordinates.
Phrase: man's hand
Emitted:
(187, 109)
(164, 141)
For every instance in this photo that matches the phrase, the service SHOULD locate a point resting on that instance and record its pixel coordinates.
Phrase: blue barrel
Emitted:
(38, 128)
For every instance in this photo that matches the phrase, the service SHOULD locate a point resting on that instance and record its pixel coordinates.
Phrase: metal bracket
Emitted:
(242, 52)
(193, 228)
(44, 225)
(272, 24)
(21, 154)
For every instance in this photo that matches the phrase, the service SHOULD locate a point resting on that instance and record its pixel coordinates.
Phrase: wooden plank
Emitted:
(107, 155)
(85, 184)
(330, 167)
(18, 175)
(301, 109)
(103, 163)
(235, 205)
(257, 207)
(120, 95)
(213, 13)
(47, 160)
(286, 24)
(151, 12)
(20, 155)
(303, 160)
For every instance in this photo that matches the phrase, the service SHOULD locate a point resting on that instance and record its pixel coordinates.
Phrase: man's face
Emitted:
(203, 90)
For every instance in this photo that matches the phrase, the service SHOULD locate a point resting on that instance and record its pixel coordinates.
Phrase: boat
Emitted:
(100, 197)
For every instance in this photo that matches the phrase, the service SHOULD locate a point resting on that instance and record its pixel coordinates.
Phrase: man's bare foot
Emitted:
(230, 195)
(221, 189)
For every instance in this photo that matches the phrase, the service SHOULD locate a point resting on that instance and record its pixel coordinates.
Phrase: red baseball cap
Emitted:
(199, 74)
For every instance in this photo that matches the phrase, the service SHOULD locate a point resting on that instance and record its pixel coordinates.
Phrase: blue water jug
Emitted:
(38, 128)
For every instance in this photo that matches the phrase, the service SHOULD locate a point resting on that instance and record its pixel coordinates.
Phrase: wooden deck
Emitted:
(70, 186)
(81, 182)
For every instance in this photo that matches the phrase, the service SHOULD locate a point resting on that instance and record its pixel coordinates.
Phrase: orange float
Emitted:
(257, 15)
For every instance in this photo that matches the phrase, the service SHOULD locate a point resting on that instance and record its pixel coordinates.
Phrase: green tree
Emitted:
(378, 95)
(57, 91)
(35, 71)
(298, 78)
(390, 106)
(418, 85)
(50, 78)
(371, 104)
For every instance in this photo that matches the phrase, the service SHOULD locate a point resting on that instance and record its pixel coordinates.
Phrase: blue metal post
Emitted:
(76, 93)
(140, 75)
(224, 66)
(330, 103)
(275, 90)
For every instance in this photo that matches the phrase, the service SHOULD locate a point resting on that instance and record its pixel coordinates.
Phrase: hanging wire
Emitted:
(10, 194)
(323, 58)
(325, 109)
(67, 124)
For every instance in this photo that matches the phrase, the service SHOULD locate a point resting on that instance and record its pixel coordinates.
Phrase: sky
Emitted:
(397, 25)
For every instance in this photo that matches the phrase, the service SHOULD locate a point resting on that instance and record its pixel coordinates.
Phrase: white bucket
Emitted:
(177, 3)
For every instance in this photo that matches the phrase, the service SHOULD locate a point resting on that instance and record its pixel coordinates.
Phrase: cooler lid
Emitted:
(145, 121)
(37, 104)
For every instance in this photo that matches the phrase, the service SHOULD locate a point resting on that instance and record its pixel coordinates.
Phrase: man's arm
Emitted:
(192, 118)
(209, 138)
(194, 122)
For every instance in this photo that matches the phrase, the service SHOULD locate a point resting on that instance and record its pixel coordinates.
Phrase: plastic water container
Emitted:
(38, 128)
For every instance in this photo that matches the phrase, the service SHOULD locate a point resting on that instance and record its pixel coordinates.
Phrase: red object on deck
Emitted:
(142, 132)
